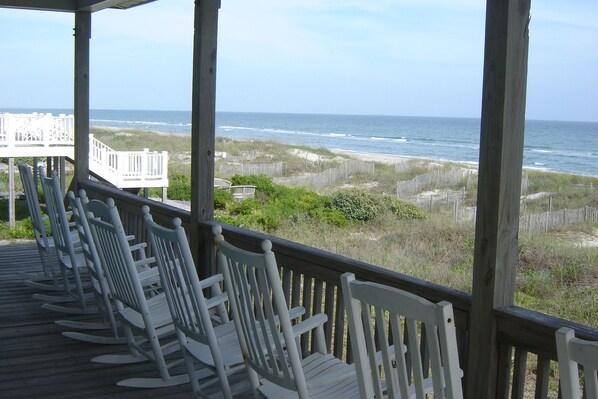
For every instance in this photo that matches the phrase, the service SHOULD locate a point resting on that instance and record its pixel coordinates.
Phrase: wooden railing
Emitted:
(311, 278)
(32, 135)
(126, 169)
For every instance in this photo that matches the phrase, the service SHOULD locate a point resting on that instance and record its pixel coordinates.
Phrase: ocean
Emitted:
(569, 147)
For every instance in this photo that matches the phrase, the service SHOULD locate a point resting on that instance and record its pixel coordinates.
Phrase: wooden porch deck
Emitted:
(36, 360)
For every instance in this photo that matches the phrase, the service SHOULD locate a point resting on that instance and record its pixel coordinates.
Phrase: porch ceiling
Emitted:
(71, 5)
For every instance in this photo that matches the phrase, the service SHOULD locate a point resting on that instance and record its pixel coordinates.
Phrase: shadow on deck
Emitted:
(37, 361)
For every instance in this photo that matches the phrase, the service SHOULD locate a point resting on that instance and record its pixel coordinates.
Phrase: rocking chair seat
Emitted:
(159, 313)
(228, 342)
(338, 379)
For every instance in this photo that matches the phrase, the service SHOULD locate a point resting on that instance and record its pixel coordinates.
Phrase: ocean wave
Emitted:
(569, 154)
(542, 151)
(390, 139)
(538, 168)
(119, 123)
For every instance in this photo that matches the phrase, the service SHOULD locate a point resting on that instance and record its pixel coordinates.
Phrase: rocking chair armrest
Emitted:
(149, 276)
(309, 324)
(145, 262)
(210, 281)
(296, 312)
(216, 300)
(136, 247)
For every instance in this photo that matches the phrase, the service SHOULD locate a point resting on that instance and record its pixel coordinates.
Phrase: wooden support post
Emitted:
(48, 166)
(35, 172)
(62, 174)
(11, 193)
(499, 188)
(81, 107)
(203, 125)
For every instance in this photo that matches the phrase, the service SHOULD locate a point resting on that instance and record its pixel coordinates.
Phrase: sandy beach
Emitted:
(391, 159)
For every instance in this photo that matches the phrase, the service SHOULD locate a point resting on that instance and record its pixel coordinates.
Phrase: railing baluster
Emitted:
(542, 378)
(519, 370)
(329, 310)
(339, 324)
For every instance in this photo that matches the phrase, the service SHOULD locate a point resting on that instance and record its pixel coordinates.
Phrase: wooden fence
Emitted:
(532, 222)
(332, 175)
(268, 169)
(435, 179)
(545, 221)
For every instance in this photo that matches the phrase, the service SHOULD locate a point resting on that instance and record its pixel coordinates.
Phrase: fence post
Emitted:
(456, 210)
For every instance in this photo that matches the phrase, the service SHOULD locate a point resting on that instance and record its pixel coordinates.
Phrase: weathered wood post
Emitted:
(11, 192)
(81, 106)
(499, 189)
(203, 126)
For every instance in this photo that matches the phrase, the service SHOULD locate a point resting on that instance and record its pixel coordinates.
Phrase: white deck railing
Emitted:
(33, 135)
(44, 135)
(126, 169)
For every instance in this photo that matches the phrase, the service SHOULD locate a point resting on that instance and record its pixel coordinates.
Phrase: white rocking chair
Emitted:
(99, 284)
(572, 353)
(216, 348)
(383, 366)
(267, 338)
(48, 279)
(68, 252)
(148, 317)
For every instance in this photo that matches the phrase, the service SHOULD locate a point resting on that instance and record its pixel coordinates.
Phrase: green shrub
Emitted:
(245, 207)
(330, 216)
(179, 188)
(355, 205)
(405, 210)
(23, 230)
(221, 198)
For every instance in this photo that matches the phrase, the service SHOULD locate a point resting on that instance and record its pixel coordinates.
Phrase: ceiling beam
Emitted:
(97, 5)
(71, 5)
(41, 5)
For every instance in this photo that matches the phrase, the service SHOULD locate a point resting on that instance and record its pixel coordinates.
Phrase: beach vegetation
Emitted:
(356, 205)
(23, 228)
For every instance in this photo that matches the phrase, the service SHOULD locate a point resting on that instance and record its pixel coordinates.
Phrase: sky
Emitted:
(391, 57)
